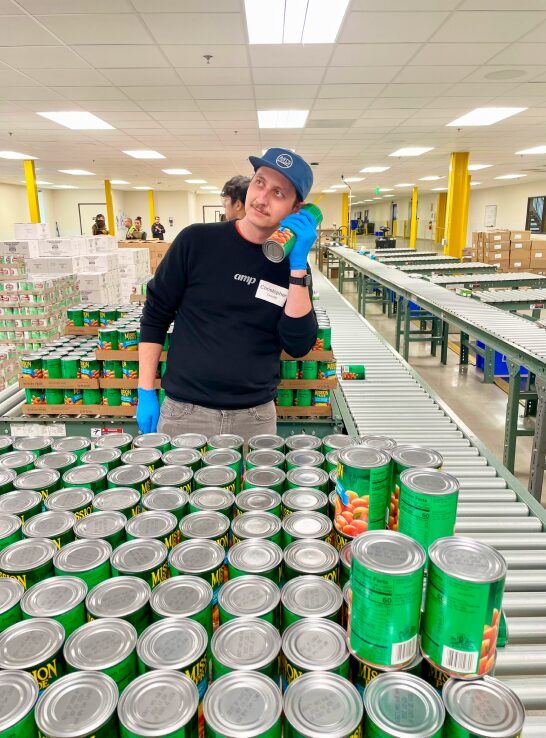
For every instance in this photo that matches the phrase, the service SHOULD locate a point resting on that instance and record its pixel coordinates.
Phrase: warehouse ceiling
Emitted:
(394, 78)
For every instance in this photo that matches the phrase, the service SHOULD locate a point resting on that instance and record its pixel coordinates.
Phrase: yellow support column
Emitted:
(109, 208)
(458, 197)
(32, 191)
(394, 228)
(151, 203)
(413, 222)
(440, 217)
(345, 213)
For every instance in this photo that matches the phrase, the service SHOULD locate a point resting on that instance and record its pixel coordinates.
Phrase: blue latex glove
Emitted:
(304, 226)
(147, 410)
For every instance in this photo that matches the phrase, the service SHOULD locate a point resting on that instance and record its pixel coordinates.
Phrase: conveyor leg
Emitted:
(463, 348)
(435, 324)
(445, 341)
(536, 314)
(512, 410)
(538, 454)
(364, 294)
(399, 311)
(394, 302)
(407, 328)
(384, 293)
(340, 275)
(389, 304)
(489, 366)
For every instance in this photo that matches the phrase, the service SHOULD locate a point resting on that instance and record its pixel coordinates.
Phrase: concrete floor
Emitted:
(482, 407)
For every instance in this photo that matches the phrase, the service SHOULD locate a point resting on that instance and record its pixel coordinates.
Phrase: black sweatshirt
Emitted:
(226, 342)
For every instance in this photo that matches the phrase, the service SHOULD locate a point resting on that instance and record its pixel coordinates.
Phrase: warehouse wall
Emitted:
(511, 202)
(13, 209)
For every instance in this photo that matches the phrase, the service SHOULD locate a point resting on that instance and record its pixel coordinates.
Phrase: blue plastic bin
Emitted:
(501, 367)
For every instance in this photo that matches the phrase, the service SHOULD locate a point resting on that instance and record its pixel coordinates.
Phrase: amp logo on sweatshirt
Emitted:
(245, 278)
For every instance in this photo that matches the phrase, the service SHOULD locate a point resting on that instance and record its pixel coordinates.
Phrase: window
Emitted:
(535, 221)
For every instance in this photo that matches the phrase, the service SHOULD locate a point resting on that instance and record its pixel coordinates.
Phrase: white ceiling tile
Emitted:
(537, 35)
(486, 26)
(346, 104)
(210, 75)
(408, 103)
(227, 104)
(182, 117)
(374, 75)
(109, 28)
(524, 74)
(68, 77)
(107, 106)
(47, 57)
(188, 6)
(398, 5)
(200, 28)
(90, 93)
(193, 56)
(112, 57)
(461, 104)
(434, 73)
(409, 26)
(501, 5)
(169, 105)
(414, 90)
(53, 7)
(8, 8)
(456, 53)
(287, 75)
(287, 92)
(168, 92)
(347, 90)
(291, 55)
(372, 55)
(485, 89)
(138, 76)
(222, 92)
(20, 30)
(9, 77)
(27, 93)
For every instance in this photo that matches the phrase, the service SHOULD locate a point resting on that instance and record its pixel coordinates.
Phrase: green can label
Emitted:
(47, 673)
(327, 369)
(290, 671)
(11, 616)
(425, 518)
(362, 674)
(25, 728)
(434, 676)
(27, 579)
(363, 495)
(353, 371)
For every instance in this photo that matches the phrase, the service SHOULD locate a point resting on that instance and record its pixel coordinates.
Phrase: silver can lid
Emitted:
(139, 555)
(315, 644)
(242, 705)
(181, 597)
(332, 457)
(37, 479)
(307, 524)
(29, 643)
(301, 441)
(27, 555)
(189, 440)
(467, 559)
(7, 475)
(429, 481)
(266, 441)
(31, 443)
(82, 555)
(404, 706)
(19, 501)
(256, 525)
(11, 592)
(305, 457)
(381, 443)
(197, 556)
(485, 707)
(215, 476)
(9, 524)
(338, 441)
(346, 555)
(19, 691)
(71, 443)
(212, 498)
(114, 440)
(204, 524)
(56, 460)
(257, 499)
(158, 703)
(246, 644)
(312, 597)
(307, 476)
(388, 552)
(254, 555)
(165, 498)
(101, 456)
(16, 459)
(49, 524)
(226, 440)
(221, 457)
(129, 474)
(77, 705)
(171, 476)
(264, 476)
(151, 440)
(249, 596)
(100, 524)
(70, 498)
(323, 705)
(265, 457)
(304, 498)
(173, 643)
(53, 596)
(181, 457)
(333, 477)
(412, 456)
(79, 476)
(311, 556)
(118, 597)
(151, 524)
(100, 644)
(363, 457)
(115, 498)
(141, 456)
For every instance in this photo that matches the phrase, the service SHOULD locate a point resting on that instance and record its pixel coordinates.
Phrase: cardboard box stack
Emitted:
(520, 251)
(537, 254)
(156, 249)
(508, 250)
(9, 365)
(134, 267)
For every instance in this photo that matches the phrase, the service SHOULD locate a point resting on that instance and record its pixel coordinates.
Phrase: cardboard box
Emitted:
(61, 247)
(520, 261)
(28, 249)
(496, 236)
(497, 246)
(107, 262)
(503, 264)
(477, 237)
(520, 246)
(538, 245)
(538, 259)
(30, 231)
(520, 235)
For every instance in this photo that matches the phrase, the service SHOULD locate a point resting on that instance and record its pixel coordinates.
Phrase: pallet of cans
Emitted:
(157, 586)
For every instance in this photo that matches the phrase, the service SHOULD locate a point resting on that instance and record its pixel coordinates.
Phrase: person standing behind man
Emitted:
(99, 226)
(130, 229)
(158, 230)
(234, 196)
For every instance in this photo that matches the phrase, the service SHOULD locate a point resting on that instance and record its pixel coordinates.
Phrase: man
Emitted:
(130, 229)
(158, 230)
(233, 197)
(234, 311)
(99, 226)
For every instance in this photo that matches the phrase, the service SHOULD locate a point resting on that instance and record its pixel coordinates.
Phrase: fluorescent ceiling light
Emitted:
(176, 171)
(142, 188)
(439, 189)
(411, 151)
(118, 181)
(38, 182)
(378, 198)
(78, 120)
(196, 181)
(77, 172)
(485, 116)
(477, 167)
(209, 187)
(15, 155)
(294, 21)
(368, 200)
(386, 189)
(354, 179)
(338, 187)
(534, 150)
(473, 184)
(374, 170)
(144, 154)
(511, 176)
(216, 192)
(65, 187)
(282, 118)
(404, 184)
(431, 178)
(328, 192)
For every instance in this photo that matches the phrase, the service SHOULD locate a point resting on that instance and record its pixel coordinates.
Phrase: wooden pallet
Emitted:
(105, 355)
(25, 382)
(102, 410)
(79, 330)
(315, 411)
(297, 384)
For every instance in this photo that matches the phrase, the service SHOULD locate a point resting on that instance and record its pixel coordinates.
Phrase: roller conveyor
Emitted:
(504, 279)
(524, 604)
(528, 630)
(443, 268)
(534, 727)
(532, 692)
(500, 297)
(418, 259)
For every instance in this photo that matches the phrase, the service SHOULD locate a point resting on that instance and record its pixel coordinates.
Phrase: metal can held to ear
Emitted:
(279, 245)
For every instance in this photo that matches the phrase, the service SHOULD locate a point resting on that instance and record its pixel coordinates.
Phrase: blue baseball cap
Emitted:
(291, 165)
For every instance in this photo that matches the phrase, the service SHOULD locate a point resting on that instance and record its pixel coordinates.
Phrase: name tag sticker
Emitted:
(271, 293)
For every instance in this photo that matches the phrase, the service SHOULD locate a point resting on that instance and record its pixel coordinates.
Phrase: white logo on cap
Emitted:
(284, 160)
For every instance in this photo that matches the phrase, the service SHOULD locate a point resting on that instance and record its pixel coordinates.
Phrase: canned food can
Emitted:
(108, 525)
(75, 316)
(162, 703)
(215, 476)
(75, 500)
(25, 503)
(265, 476)
(304, 457)
(134, 476)
(226, 440)
(255, 556)
(246, 644)
(10, 530)
(202, 558)
(149, 457)
(285, 397)
(408, 457)
(190, 440)
(225, 457)
(183, 597)
(353, 371)
(331, 461)
(55, 525)
(345, 561)
(28, 561)
(35, 646)
(70, 367)
(11, 592)
(309, 369)
(128, 339)
(126, 598)
(107, 315)
(304, 499)
(305, 710)
(212, 498)
(462, 606)
(86, 475)
(289, 369)
(84, 699)
(35, 396)
(363, 479)
(156, 524)
(111, 369)
(306, 524)
(111, 397)
(6, 444)
(249, 597)
(248, 703)
(311, 556)
(258, 499)
(169, 499)
(18, 461)
(403, 704)
(178, 644)
(6, 480)
(362, 673)
(304, 398)
(51, 366)
(107, 645)
(485, 707)
(211, 525)
(159, 441)
(146, 558)
(324, 338)
(86, 559)
(310, 597)
(262, 525)
(44, 481)
(123, 441)
(189, 457)
(19, 694)
(61, 461)
(31, 367)
(89, 367)
(321, 397)
(108, 338)
(181, 477)
(110, 458)
(437, 678)
(266, 442)
(337, 441)
(37, 444)
(125, 500)
(60, 598)
(77, 445)
(313, 644)
(302, 441)
(91, 317)
(307, 476)
(265, 457)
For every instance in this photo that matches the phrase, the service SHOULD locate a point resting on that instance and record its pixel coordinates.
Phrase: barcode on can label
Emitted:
(465, 662)
(404, 651)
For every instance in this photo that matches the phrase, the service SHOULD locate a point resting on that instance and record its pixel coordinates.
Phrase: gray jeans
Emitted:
(183, 417)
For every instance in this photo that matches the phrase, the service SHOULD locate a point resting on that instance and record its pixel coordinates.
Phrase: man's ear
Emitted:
(239, 206)
(298, 206)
